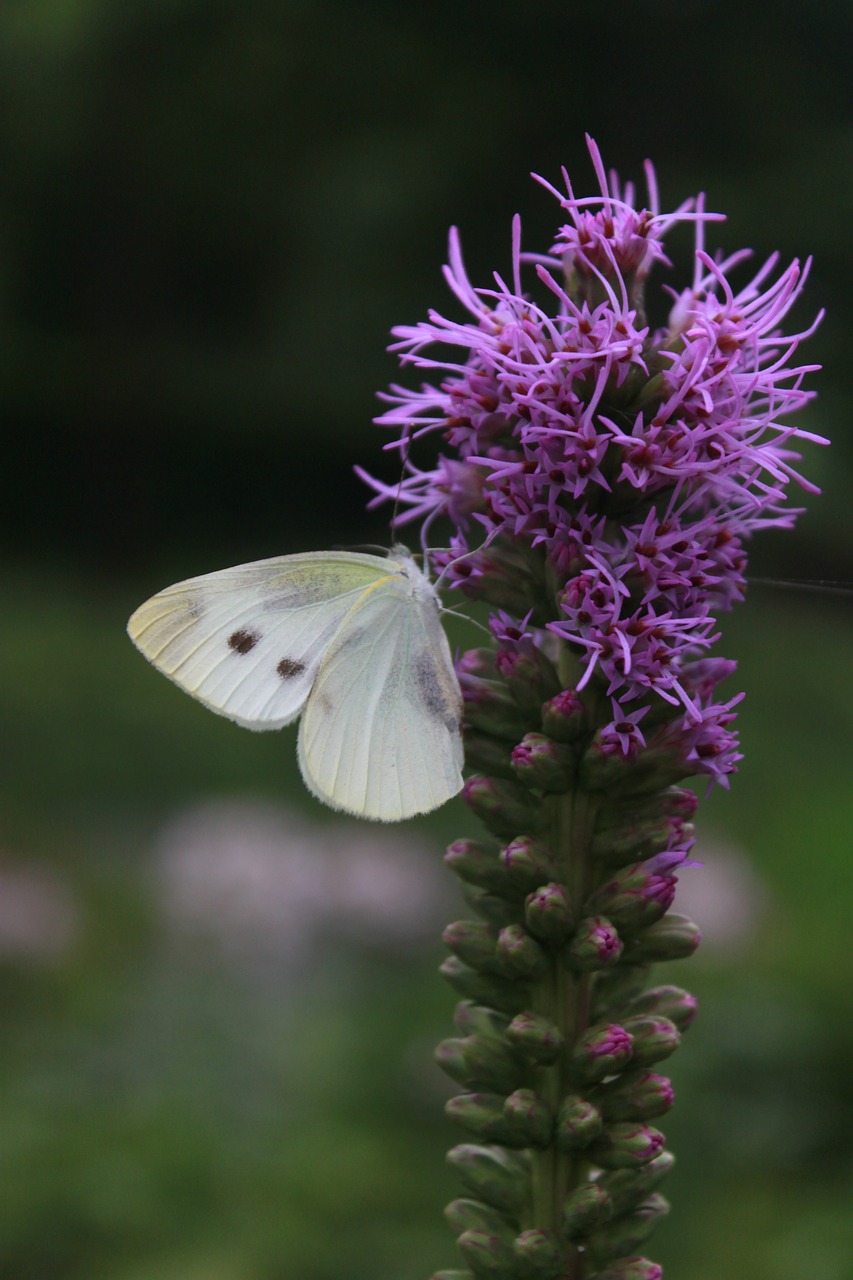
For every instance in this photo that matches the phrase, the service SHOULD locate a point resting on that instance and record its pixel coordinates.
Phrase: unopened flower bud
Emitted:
(601, 1051)
(482, 1060)
(484, 988)
(623, 1235)
(490, 1256)
(668, 1002)
(596, 945)
(663, 762)
(633, 1268)
(503, 806)
(498, 579)
(488, 754)
(481, 1115)
(472, 942)
(637, 897)
(637, 837)
(535, 1037)
(478, 863)
(518, 954)
(585, 1209)
(625, 1145)
(492, 1065)
(602, 768)
(527, 862)
(450, 1057)
(530, 676)
(540, 1255)
(564, 717)
(477, 1019)
(639, 812)
(578, 1123)
(488, 708)
(622, 845)
(473, 1215)
(481, 663)
(675, 937)
(511, 558)
(655, 1038)
(638, 829)
(541, 763)
(492, 907)
(679, 801)
(637, 1095)
(616, 987)
(548, 913)
(491, 1174)
(528, 1119)
(629, 1187)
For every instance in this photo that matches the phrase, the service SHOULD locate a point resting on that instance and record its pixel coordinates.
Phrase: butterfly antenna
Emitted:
(464, 556)
(465, 618)
(404, 454)
(820, 585)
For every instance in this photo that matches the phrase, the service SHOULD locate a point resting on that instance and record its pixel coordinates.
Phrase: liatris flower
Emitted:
(601, 476)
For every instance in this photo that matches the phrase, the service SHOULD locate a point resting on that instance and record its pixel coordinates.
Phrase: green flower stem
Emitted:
(572, 889)
(564, 1000)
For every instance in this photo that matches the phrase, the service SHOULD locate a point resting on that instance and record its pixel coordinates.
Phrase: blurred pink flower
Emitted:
(263, 882)
(725, 897)
(39, 916)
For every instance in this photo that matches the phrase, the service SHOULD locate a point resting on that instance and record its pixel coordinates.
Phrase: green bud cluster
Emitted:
(559, 1034)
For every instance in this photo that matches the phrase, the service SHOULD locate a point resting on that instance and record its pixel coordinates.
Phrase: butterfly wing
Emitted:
(248, 642)
(380, 733)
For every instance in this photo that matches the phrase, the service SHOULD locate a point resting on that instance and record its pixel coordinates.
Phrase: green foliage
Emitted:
(164, 1112)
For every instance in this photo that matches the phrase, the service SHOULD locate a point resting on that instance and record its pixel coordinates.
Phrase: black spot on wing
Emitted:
(289, 668)
(243, 641)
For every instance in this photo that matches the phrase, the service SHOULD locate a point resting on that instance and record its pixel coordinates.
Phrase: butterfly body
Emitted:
(352, 642)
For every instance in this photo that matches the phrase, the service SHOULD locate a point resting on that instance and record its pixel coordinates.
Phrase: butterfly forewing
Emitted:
(380, 731)
(248, 641)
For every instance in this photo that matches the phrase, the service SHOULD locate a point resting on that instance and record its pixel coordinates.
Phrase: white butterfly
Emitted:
(351, 641)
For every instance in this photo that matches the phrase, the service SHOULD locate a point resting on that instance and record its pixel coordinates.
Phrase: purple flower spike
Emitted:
(639, 460)
(597, 479)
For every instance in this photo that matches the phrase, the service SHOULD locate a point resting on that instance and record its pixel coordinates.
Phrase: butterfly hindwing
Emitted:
(380, 733)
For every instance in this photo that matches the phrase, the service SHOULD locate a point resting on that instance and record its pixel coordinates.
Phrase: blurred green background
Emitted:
(219, 1002)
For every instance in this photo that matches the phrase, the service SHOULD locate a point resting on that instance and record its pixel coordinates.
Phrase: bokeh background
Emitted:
(218, 1000)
